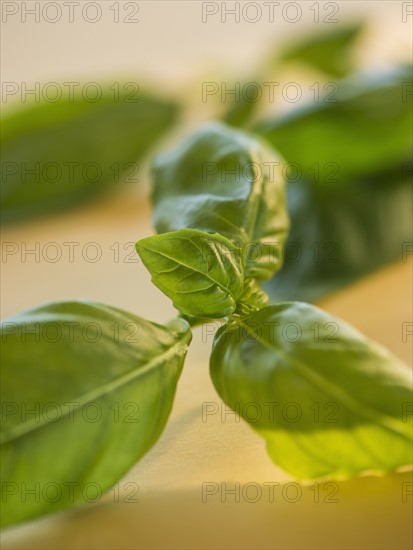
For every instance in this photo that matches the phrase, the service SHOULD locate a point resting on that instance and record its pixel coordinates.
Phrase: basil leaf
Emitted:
(240, 112)
(330, 52)
(86, 391)
(200, 272)
(342, 234)
(59, 154)
(220, 180)
(367, 130)
(327, 400)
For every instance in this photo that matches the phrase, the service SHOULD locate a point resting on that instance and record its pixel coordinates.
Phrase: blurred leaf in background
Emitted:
(343, 234)
(240, 112)
(332, 53)
(57, 154)
(350, 188)
(366, 128)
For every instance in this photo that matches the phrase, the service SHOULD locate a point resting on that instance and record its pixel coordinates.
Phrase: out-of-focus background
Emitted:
(90, 91)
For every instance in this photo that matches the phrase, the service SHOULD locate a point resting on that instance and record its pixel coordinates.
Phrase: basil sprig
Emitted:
(341, 399)
(75, 373)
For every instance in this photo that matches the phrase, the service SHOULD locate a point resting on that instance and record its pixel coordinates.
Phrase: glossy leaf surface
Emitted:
(86, 391)
(328, 401)
(201, 273)
(223, 181)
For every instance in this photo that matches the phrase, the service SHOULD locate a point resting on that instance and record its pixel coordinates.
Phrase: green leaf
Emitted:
(201, 273)
(342, 233)
(86, 391)
(57, 154)
(240, 112)
(330, 52)
(328, 401)
(220, 180)
(367, 130)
